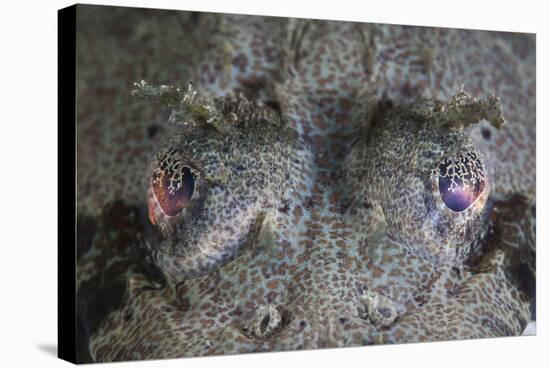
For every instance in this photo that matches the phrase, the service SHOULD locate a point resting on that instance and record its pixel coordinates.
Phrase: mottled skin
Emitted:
(317, 253)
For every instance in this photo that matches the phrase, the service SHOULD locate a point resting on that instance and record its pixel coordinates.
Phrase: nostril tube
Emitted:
(266, 321)
(379, 309)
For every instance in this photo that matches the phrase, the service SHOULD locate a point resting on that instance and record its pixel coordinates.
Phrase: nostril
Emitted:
(267, 321)
(264, 325)
(377, 308)
(385, 312)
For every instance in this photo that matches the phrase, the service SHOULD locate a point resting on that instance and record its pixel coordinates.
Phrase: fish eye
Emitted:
(461, 181)
(173, 186)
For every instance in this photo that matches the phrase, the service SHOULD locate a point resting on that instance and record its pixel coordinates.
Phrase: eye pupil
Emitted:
(173, 188)
(461, 181)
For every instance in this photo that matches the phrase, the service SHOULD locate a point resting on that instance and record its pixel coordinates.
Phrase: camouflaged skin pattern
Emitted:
(314, 258)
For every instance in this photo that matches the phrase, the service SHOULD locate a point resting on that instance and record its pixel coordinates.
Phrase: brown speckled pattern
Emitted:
(297, 249)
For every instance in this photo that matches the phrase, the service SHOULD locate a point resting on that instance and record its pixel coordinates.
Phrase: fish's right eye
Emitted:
(461, 181)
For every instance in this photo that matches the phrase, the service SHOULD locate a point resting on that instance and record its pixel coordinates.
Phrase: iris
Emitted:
(173, 188)
(461, 181)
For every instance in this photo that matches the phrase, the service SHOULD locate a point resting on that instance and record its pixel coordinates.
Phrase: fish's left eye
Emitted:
(173, 188)
(461, 181)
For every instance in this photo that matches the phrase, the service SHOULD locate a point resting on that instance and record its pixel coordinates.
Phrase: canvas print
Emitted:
(250, 184)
